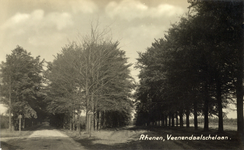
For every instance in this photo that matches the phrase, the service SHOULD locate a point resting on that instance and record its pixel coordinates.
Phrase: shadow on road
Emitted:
(7, 146)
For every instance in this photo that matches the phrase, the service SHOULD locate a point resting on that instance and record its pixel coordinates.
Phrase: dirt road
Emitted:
(45, 138)
(48, 138)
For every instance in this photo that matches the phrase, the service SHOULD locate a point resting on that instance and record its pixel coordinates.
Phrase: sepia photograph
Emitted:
(121, 74)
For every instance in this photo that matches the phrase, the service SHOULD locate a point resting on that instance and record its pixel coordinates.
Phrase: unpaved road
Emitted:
(45, 138)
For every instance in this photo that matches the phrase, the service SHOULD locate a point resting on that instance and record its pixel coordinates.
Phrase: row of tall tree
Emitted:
(91, 76)
(197, 67)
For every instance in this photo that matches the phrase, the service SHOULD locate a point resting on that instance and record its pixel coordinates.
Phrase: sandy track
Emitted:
(45, 138)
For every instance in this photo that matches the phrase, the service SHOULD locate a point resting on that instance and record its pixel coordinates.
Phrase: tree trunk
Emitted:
(89, 124)
(70, 124)
(104, 119)
(99, 120)
(187, 118)
(87, 119)
(206, 103)
(195, 115)
(176, 117)
(162, 119)
(173, 120)
(87, 100)
(239, 84)
(10, 106)
(78, 122)
(220, 113)
(23, 122)
(19, 124)
(181, 118)
(73, 120)
(95, 120)
(166, 120)
(92, 116)
(169, 120)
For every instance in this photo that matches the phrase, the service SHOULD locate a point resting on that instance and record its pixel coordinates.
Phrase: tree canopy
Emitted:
(92, 77)
(194, 67)
(21, 86)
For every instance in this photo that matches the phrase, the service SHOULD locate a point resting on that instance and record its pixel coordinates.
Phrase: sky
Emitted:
(43, 27)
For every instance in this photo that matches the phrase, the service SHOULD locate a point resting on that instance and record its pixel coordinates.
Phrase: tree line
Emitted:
(89, 76)
(196, 68)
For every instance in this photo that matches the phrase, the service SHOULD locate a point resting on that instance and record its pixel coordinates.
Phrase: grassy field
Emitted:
(229, 124)
(227, 127)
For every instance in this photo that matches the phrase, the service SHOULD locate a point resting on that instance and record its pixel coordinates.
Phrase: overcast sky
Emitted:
(43, 27)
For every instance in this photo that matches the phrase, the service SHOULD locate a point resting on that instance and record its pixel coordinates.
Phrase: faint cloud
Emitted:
(18, 18)
(84, 6)
(60, 20)
(166, 9)
(36, 28)
(37, 20)
(127, 9)
(143, 32)
(131, 9)
(37, 14)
